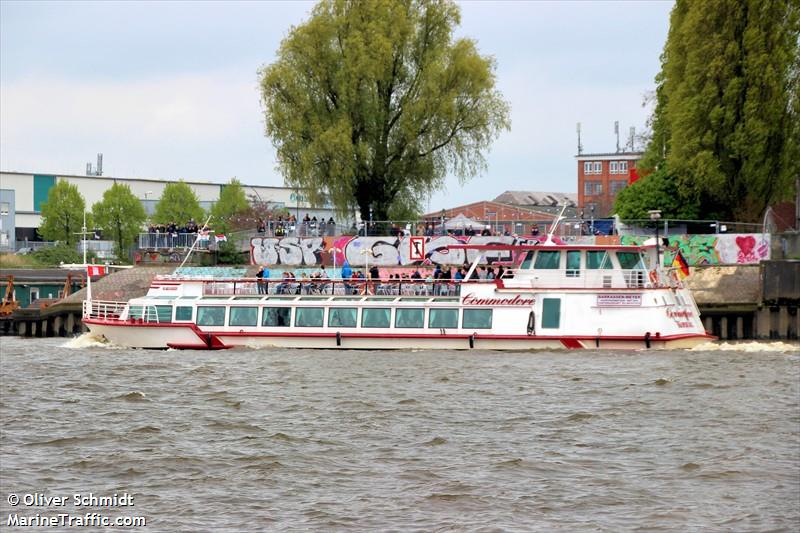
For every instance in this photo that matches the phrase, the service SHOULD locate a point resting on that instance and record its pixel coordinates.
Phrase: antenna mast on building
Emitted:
(580, 146)
(97, 171)
(616, 132)
(631, 141)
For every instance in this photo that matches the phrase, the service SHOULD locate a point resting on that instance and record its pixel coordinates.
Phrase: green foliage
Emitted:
(120, 215)
(55, 255)
(229, 254)
(726, 118)
(658, 190)
(230, 208)
(179, 204)
(371, 103)
(62, 213)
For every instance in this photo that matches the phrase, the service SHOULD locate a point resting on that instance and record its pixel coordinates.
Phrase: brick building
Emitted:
(601, 177)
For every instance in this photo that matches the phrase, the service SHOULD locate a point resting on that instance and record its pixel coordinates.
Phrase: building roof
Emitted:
(496, 207)
(611, 155)
(536, 198)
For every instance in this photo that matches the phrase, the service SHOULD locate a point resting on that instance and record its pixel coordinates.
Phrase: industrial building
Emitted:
(22, 195)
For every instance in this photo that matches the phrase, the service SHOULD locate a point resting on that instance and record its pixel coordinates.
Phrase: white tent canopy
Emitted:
(462, 222)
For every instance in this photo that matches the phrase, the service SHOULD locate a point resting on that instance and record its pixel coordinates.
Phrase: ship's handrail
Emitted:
(103, 309)
(378, 287)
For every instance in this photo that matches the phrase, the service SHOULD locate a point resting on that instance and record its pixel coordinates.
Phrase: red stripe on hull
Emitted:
(571, 344)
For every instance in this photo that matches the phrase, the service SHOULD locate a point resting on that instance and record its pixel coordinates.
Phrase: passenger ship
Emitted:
(558, 296)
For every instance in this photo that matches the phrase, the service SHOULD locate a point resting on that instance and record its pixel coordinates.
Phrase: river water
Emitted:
(431, 440)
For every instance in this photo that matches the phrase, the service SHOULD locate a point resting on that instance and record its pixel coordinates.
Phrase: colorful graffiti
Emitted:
(380, 251)
(717, 249)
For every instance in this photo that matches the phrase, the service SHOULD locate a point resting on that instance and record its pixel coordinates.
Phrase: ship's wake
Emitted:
(90, 340)
(747, 346)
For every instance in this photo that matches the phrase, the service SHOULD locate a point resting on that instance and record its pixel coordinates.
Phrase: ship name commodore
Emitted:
(517, 300)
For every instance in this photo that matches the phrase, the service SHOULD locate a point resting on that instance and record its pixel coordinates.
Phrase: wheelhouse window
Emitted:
(183, 312)
(547, 260)
(443, 318)
(210, 316)
(528, 261)
(409, 318)
(276, 317)
(243, 316)
(380, 317)
(308, 317)
(630, 261)
(573, 264)
(477, 319)
(342, 317)
(596, 260)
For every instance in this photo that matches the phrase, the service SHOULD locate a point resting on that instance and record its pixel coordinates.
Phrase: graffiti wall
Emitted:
(721, 249)
(715, 249)
(381, 251)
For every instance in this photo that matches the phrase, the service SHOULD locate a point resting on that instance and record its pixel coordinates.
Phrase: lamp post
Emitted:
(655, 216)
(370, 220)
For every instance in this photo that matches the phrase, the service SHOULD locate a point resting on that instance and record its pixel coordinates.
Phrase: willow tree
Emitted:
(371, 103)
(726, 119)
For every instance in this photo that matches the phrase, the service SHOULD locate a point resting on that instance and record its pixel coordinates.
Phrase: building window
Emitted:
(591, 188)
(612, 167)
(617, 186)
(4, 208)
(34, 293)
(587, 167)
(598, 167)
(623, 167)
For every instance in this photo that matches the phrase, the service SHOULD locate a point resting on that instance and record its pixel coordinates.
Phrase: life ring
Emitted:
(653, 277)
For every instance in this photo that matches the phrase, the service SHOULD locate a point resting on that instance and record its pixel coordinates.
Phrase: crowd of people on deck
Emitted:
(172, 235)
(308, 226)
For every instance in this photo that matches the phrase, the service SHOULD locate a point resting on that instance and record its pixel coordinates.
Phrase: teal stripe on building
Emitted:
(41, 188)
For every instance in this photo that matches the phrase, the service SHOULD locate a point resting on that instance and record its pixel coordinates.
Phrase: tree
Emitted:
(370, 103)
(62, 213)
(120, 215)
(658, 190)
(179, 204)
(726, 120)
(231, 205)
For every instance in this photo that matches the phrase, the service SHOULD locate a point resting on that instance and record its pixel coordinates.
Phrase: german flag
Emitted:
(680, 264)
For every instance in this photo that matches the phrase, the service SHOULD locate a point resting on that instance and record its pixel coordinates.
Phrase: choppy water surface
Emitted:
(325, 440)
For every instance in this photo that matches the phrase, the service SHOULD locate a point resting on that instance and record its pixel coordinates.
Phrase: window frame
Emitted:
(333, 311)
(400, 310)
(439, 310)
(191, 313)
(305, 310)
(470, 311)
(367, 311)
(264, 314)
(547, 253)
(240, 307)
(201, 309)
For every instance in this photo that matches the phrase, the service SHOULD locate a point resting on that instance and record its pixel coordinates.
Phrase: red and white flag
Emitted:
(96, 270)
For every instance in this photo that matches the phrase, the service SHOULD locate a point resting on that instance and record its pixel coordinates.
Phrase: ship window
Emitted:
(551, 312)
(443, 318)
(210, 316)
(597, 259)
(409, 318)
(342, 317)
(163, 313)
(243, 316)
(376, 318)
(526, 263)
(573, 264)
(547, 260)
(630, 261)
(477, 319)
(183, 312)
(276, 317)
(308, 317)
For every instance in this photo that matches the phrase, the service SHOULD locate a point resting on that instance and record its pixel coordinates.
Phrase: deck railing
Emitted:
(103, 309)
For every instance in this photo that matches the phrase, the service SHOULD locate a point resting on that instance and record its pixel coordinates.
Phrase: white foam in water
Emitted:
(751, 346)
(87, 340)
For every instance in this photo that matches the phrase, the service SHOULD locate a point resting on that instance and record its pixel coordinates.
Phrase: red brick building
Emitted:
(500, 217)
(601, 177)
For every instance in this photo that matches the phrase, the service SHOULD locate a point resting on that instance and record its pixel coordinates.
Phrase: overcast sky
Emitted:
(169, 89)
